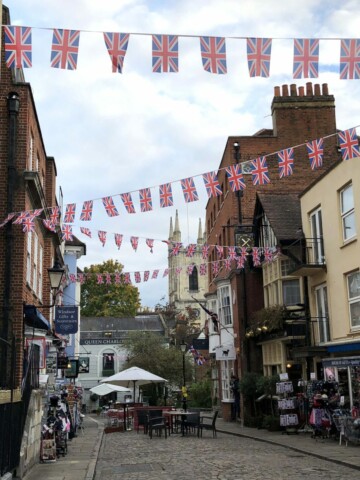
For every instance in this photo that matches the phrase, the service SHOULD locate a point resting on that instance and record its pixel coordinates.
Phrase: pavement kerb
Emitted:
(90, 473)
(290, 447)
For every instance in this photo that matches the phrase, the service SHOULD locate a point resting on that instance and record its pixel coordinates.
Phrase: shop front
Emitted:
(345, 371)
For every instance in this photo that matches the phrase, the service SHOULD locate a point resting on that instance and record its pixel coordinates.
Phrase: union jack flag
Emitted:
(259, 171)
(72, 278)
(102, 237)
(37, 212)
(108, 279)
(235, 177)
(178, 270)
(349, 144)
(54, 215)
(137, 277)
(165, 53)
(70, 213)
(306, 58)
(350, 59)
(166, 272)
(86, 212)
(286, 162)
(166, 198)
(146, 275)
(240, 262)
(150, 243)
(117, 278)
(128, 203)
(7, 219)
(231, 253)
(49, 225)
(145, 200)
(189, 269)
(110, 208)
(155, 274)
(213, 54)
(28, 224)
(268, 255)
(66, 231)
(243, 252)
(227, 264)
(258, 55)
(212, 184)
(118, 240)
(85, 231)
(315, 151)
(176, 249)
(22, 216)
(17, 46)
(127, 278)
(65, 48)
(256, 256)
(203, 269)
(215, 268)
(116, 44)
(189, 190)
(190, 250)
(134, 242)
(205, 251)
(220, 251)
(99, 278)
(81, 278)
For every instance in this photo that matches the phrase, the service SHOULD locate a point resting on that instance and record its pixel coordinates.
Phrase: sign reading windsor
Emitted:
(66, 319)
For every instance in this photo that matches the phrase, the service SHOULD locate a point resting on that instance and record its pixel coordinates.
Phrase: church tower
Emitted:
(182, 285)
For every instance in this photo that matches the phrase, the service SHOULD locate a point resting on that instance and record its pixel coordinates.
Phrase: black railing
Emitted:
(306, 251)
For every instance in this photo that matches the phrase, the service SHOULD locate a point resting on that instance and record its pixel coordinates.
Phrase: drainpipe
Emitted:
(13, 104)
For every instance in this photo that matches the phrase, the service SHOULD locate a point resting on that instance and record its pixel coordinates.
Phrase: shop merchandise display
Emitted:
(287, 405)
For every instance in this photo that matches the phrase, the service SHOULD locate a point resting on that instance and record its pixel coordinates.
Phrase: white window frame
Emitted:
(225, 310)
(317, 250)
(227, 369)
(322, 313)
(35, 263)
(28, 258)
(212, 308)
(41, 260)
(31, 152)
(287, 281)
(347, 212)
(353, 287)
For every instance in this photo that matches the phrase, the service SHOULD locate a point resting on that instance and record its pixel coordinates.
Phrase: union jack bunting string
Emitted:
(81, 278)
(205, 251)
(146, 275)
(102, 237)
(155, 274)
(7, 219)
(178, 270)
(240, 262)
(235, 177)
(220, 251)
(28, 224)
(256, 256)
(49, 225)
(286, 162)
(166, 272)
(145, 200)
(127, 201)
(99, 278)
(189, 190)
(117, 278)
(110, 208)
(108, 279)
(166, 198)
(86, 212)
(22, 216)
(65, 48)
(70, 211)
(134, 242)
(306, 58)
(258, 55)
(268, 255)
(315, 151)
(54, 213)
(203, 269)
(18, 47)
(67, 234)
(137, 277)
(176, 249)
(231, 253)
(116, 44)
(189, 269)
(213, 54)
(215, 268)
(165, 53)
(350, 59)
(127, 278)
(150, 244)
(227, 264)
(259, 171)
(349, 144)
(212, 184)
(85, 231)
(72, 278)
(190, 250)
(118, 240)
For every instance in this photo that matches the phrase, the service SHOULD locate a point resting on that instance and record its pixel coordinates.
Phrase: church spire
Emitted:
(177, 233)
(200, 239)
(171, 231)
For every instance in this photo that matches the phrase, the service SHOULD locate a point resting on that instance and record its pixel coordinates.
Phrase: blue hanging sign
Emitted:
(66, 319)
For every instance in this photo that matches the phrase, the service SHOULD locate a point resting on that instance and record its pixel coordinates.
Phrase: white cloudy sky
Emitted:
(112, 133)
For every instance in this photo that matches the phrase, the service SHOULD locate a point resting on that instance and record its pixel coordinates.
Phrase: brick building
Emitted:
(299, 114)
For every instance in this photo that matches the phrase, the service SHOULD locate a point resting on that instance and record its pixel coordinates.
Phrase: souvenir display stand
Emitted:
(287, 405)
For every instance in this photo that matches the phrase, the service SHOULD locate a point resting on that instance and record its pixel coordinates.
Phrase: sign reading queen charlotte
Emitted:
(66, 320)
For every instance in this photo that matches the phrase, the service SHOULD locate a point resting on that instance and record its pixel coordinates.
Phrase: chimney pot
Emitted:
(301, 91)
(277, 92)
(317, 89)
(293, 90)
(309, 90)
(325, 89)
(285, 91)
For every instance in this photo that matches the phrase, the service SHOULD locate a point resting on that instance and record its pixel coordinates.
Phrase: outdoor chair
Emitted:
(158, 425)
(208, 423)
(191, 422)
(142, 420)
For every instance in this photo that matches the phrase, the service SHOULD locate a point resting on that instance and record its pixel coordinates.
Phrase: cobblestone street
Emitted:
(135, 457)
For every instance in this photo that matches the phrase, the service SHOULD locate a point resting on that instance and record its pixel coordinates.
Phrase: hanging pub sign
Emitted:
(73, 371)
(62, 361)
(51, 363)
(84, 363)
(66, 319)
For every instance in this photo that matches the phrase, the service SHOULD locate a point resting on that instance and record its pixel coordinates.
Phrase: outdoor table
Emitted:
(177, 414)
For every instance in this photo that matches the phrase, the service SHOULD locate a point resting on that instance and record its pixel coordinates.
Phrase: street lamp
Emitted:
(184, 393)
(56, 274)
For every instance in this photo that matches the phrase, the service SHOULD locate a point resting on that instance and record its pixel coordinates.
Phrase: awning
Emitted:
(34, 318)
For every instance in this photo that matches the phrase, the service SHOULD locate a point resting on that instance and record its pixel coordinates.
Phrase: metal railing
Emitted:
(306, 251)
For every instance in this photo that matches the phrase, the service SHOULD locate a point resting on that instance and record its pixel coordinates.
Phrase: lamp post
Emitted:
(184, 393)
(56, 274)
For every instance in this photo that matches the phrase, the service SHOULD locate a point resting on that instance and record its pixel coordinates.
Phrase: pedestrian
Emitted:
(235, 389)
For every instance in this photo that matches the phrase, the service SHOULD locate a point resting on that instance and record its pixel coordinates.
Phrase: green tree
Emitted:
(113, 300)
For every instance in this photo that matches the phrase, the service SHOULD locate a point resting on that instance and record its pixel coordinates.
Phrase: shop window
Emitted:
(347, 212)
(108, 364)
(194, 280)
(322, 313)
(291, 292)
(225, 305)
(353, 282)
(227, 369)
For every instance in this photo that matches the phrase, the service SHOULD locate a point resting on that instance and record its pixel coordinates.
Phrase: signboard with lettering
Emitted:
(66, 319)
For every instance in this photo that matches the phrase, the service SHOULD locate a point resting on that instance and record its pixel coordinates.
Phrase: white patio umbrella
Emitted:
(133, 376)
(105, 389)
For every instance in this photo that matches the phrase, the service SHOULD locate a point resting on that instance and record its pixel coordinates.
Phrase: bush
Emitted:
(200, 394)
